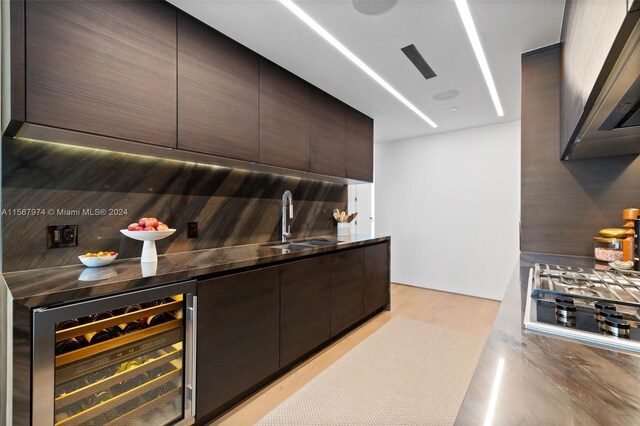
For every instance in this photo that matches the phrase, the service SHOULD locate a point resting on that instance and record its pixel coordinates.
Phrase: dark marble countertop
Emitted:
(40, 287)
(548, 380)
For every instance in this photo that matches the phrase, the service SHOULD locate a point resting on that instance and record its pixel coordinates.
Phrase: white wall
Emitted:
(451, 203)
(361, 201)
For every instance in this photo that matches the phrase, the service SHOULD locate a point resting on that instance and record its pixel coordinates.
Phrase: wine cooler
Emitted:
(127, 359)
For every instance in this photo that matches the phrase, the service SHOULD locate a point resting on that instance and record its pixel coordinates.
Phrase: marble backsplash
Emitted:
(62, 183)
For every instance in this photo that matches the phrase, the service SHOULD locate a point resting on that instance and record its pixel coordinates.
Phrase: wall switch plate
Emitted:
(62, 236)
(192, 229)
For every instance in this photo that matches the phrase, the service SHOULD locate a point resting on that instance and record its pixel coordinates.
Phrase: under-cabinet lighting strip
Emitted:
(472, 33)
(302, 15)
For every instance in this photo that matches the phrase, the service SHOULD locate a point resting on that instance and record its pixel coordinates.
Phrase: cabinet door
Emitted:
(284, 118)
(359, 146)
(238, 335)
(376, 277)
(103, 67)
(347, 289)
(217, 93)
(328, 116)
(305, 302)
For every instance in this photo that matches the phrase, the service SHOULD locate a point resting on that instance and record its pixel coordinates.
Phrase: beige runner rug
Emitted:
(406, 373)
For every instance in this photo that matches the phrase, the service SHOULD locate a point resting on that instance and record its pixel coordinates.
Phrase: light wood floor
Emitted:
(464, 314)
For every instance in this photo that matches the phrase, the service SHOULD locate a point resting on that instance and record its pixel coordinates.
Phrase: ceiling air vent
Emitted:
(418, 61)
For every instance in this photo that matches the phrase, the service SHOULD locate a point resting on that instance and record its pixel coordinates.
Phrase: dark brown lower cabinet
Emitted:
(347, 289)
(255, 324)
(238, 336)
(305, 306)
(376, 277)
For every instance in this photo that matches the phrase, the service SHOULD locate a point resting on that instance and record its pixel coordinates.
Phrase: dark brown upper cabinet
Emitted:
(284, 118)
(103, 67)
(138, 76)
(328, 134)
(359, 150)
(217, 93)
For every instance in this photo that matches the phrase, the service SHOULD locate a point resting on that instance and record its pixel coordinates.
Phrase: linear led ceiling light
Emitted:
(352, 57)
(467, 20)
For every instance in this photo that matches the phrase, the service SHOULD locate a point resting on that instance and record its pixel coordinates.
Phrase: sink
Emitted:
(291, 246)
(316, 242)
(303, 245)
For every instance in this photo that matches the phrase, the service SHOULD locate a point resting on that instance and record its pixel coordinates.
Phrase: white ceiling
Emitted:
(506, 29)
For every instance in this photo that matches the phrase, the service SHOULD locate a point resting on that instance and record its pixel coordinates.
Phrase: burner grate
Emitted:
(588, 285)
(592, 306)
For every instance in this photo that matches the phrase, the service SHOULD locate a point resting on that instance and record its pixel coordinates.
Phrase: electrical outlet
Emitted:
(192, 230)
(62, 236)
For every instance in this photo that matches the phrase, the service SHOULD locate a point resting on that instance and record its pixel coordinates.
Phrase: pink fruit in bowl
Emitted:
(151, 222)
(148, 224)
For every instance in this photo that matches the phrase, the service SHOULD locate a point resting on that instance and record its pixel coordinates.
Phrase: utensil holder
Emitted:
(344, 228)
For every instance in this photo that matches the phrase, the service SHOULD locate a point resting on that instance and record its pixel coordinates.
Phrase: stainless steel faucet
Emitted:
(286, 229)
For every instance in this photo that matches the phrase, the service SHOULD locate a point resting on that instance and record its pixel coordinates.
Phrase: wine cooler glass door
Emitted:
(120, 360)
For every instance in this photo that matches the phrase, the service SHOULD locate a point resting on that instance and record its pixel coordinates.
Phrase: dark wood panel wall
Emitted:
(564, 204)
(232, 207)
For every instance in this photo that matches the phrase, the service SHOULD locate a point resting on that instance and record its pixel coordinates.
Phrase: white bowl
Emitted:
(94, 262)
(149, 252)
(147, 235)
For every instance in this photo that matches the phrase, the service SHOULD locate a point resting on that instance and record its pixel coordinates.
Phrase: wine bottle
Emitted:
(67, 345)
(102, 335)
(159, 319)
(130, 326)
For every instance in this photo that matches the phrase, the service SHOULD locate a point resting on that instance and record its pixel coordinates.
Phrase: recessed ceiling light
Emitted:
(302, 15)
(454, 109)
(373, 7)
(446, 95)
(467, 20)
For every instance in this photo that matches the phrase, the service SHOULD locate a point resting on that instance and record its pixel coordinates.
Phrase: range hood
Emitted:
(612, 126)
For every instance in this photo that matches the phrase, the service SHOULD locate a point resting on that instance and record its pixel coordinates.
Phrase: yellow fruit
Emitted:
(88, 254)
(100, 254)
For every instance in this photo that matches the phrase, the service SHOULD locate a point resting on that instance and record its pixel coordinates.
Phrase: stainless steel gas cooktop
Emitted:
(594, 306)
